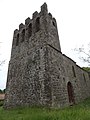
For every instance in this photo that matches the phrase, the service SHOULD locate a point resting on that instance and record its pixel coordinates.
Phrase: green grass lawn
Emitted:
(77, 112)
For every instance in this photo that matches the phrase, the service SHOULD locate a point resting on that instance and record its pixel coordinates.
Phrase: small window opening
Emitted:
(23, 35)
(58, 77)
(37, 24)
(74, 74)
(30, 30)
(17, 40)
(84, 77)
(50, 15)
(64, 79)
(53, 23)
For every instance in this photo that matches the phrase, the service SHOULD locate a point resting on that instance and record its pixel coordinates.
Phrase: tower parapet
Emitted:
(42, 21)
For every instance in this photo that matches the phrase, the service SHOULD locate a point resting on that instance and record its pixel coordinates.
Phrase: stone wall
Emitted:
(63, 70)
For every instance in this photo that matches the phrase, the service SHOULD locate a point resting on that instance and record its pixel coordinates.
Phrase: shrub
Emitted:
(1, 102)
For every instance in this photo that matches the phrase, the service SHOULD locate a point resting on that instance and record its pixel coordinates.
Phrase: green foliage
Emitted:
(77, 112)
(1, 102)
(2, 91)
(86, 68)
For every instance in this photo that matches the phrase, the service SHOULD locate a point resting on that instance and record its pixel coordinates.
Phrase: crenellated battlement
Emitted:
(39, 21)
(34, 16)
(27, 21)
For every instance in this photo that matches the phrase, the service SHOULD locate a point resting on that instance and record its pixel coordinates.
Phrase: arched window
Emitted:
(74, 74)
(17, 40)
(29, 30)
(23, 35)
(37, 24)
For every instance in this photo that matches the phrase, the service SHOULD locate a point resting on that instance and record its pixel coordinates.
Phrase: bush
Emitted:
(1, 102)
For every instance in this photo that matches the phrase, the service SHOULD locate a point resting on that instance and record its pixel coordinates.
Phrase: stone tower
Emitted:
(39, 74)
(28, 81)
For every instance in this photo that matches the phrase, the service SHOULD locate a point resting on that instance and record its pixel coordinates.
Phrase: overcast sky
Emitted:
(73, 20)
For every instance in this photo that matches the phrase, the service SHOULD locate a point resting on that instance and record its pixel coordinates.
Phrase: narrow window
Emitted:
(23, 35)
(64, 79)
(53, 23)
(74, 74)
(37, 24)
(17, 40)
(30, 30)
(84, 77)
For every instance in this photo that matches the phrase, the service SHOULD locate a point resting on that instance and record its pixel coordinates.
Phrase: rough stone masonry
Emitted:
(38, 73)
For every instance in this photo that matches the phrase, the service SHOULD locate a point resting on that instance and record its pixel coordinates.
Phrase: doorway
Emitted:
(70, 93)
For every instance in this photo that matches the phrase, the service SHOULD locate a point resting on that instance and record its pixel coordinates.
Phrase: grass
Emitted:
(77, 112)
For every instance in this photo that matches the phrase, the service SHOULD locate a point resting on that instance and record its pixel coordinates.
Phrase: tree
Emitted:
(4, 90)
(2, 61)
(86, 69)
(0, 91)
(85, 53)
